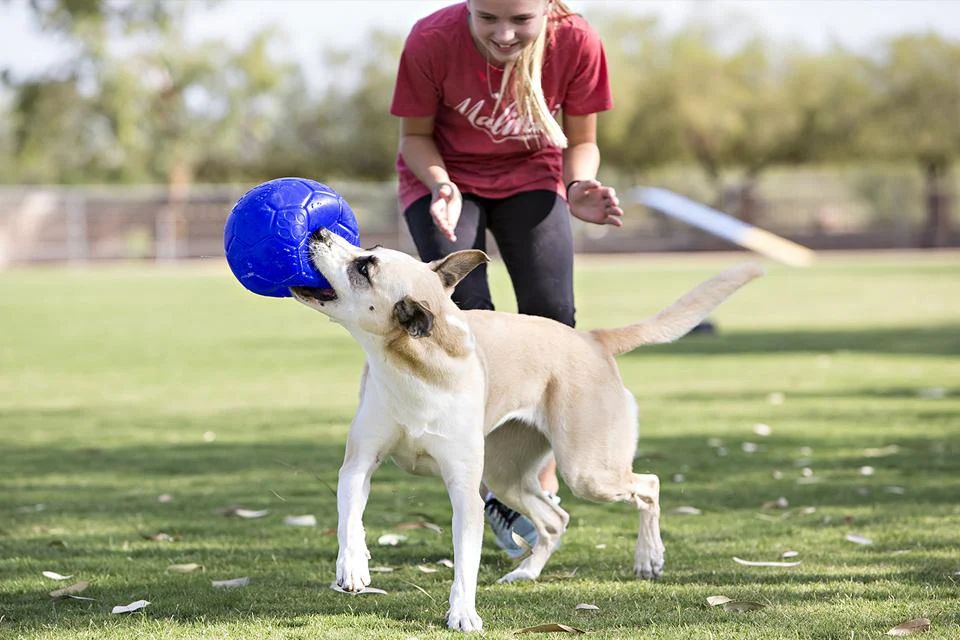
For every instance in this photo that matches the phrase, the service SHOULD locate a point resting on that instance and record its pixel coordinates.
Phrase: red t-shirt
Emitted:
(442, 74)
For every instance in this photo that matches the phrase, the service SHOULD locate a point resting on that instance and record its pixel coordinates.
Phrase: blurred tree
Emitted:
(916, 116)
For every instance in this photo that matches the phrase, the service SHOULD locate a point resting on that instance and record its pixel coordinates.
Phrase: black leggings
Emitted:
(532, 230)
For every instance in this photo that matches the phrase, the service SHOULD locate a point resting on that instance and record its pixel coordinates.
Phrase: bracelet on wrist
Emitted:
(570, 186)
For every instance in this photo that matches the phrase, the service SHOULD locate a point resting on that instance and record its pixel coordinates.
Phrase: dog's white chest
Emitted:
(411, 455)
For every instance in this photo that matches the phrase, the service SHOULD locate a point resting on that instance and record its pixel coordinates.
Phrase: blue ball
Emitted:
(266, 237)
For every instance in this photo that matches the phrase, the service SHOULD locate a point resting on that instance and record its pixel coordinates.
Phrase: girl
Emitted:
(478, 89)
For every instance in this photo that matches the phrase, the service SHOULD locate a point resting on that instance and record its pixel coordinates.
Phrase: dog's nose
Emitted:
(321, 235)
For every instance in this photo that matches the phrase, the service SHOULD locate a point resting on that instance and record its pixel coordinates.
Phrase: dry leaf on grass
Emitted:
(406, 526)
(856, 538)
(364, 591)
(790, 554)
(882, 452)
(762, 430)
(246, 514)
(160, 536)
(741, 605)
(600, 546)
(685, 511)
(72, 590)
(130, 608)
(867, 470)
(301, 521)
(230, 584)
(779, 503)
(760, 563)
(447, 563)
(390, 540)
(553, 627)
(425, 569)
(53, 575)
(910, 627)
(380, 569)
(185, 568)
(714, 601)
(587, 607)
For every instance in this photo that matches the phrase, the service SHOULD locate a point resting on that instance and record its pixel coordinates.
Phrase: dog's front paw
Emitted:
(648, 563)
(517, 575)
(352, 571)
(464, 618)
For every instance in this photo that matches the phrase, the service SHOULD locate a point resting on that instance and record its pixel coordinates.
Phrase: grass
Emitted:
(119, 385)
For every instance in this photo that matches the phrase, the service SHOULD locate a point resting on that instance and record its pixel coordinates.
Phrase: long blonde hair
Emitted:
(522, 80)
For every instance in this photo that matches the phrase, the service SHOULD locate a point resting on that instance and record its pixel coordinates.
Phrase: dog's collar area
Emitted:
(317, 294)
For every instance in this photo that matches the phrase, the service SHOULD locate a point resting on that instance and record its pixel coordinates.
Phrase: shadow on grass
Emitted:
(937, 340)
(114, 489)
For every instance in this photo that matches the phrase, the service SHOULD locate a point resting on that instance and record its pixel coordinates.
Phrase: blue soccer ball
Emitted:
(266, 237)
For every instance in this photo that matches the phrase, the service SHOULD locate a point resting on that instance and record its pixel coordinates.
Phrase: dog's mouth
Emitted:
(314, 294)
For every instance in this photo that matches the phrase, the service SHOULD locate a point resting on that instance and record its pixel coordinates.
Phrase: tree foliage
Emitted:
(160, 108)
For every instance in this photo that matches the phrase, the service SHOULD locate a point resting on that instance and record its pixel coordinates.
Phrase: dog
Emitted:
(486, 396)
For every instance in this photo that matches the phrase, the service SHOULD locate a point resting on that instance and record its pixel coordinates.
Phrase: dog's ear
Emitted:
(414, 316)
(453, 268)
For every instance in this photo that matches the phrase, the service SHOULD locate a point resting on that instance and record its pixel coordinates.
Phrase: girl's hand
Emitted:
(590, 201)
(445, 209)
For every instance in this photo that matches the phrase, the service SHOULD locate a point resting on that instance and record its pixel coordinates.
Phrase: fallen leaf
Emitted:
(425, 569)
(230, 584)
(447, 563)
(301, 521)
(867, 470)
(53, 575)
(790, 554)
(246, 514)
(910, 627)
(741, 606)
(713, 601)
(760, 563)
(806, 511)
(364, 591)
(779, 503)
(79, 598)
(390, 539)
(550, 628)
(130, 608)
(601, 546)
(587, 607)
(762, 430)
(72, 590)
(686, 511)
(881, 452)
(184, 568)
(380, 569)
(858, 539)
(158, 537)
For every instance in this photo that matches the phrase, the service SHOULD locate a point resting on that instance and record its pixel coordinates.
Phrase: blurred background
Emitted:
(129, 128)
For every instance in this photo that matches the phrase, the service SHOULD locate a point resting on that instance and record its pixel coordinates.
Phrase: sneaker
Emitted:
(504, 522)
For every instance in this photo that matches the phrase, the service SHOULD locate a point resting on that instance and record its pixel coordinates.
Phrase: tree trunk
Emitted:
(936, 229)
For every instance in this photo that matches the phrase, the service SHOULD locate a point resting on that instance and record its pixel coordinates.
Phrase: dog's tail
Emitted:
(679, 318)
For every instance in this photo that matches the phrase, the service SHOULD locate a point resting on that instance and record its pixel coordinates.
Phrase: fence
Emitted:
(89, 223)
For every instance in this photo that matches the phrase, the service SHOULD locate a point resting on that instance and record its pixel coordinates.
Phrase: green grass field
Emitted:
(122, 384)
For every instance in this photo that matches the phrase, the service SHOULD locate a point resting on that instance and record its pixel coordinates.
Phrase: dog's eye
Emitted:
(363, 266)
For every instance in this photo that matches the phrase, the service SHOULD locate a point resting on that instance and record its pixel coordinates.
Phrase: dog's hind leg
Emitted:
(595, 457)
(515, 453)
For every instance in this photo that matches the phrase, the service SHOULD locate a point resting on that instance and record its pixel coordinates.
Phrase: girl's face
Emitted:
(503, 28)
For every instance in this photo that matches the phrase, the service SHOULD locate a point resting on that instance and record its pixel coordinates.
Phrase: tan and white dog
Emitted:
(486, 396)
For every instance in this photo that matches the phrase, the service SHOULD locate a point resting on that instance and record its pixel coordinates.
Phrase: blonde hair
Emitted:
(522, 79)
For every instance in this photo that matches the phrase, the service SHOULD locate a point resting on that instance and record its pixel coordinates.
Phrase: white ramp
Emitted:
(723, 225)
